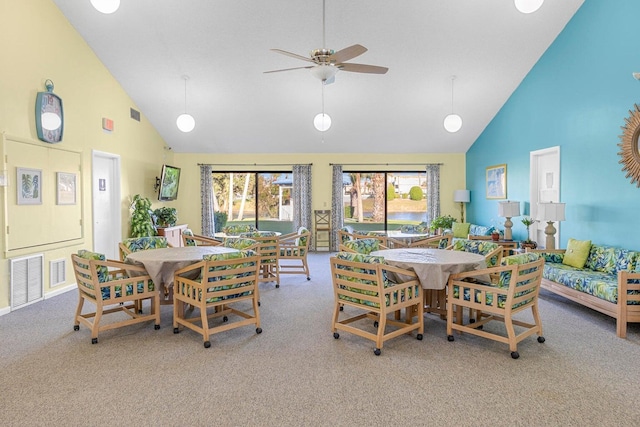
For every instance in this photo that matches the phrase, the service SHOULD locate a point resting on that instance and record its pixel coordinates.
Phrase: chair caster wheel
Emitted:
(76, 327)
(342, 308)
(419, 337)
(156, 327)
(225, 319)
(308, 278)
(258, 303)
(450, 338)
(541, 340)
(94, 340)
(472, 320)
(176, 330)
(277, 286)
(258, 330)
(515, 354)
(207, 344)
(375, 324)
(336, 335)
(377, 351)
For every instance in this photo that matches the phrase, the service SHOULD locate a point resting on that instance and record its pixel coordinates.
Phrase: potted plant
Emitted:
(496, 234)
(142, 217)
(442, 222)
(528, 243)
(165, 217)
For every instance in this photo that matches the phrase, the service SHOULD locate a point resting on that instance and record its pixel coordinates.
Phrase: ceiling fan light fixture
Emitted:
(324, 72)
(322, 122)
(453, 123)
(106, 6)
(528, 6)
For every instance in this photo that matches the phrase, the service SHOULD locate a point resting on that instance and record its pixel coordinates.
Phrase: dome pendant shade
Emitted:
(106, 6)
(453, 123)
(528, 6)
(324, 72)
(186, 122)
(322, 122)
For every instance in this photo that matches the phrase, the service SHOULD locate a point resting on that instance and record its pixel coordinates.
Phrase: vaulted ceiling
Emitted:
(223, 46)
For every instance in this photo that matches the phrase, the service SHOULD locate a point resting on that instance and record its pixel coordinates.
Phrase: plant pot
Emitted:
(495, 237)
(529, 245)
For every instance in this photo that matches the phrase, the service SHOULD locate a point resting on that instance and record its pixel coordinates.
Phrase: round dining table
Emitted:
(161, 264)
(433, 266)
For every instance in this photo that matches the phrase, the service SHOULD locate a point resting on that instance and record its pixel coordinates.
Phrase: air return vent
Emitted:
(57, 272)
(27, 283)
(135, 114)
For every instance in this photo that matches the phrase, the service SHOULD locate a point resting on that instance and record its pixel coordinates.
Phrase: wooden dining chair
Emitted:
(294, 248)
(435, 242)
(362, 246)
(268, 248)
(110, 286)
(191, 239)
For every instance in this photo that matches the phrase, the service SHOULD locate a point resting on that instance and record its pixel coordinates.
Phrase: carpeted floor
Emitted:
(295, 373)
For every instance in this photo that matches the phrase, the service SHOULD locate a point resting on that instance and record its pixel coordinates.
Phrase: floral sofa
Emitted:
(609, 282)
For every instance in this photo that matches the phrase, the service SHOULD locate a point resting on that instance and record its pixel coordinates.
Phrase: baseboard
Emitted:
(60, 290)
(5, 310)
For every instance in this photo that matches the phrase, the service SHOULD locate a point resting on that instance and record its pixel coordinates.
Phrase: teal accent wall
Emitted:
(577, 97)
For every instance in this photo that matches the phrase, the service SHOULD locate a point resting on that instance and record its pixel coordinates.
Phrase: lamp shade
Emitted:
(185, 122)
(462, 196)
(452, 123)
(509, 209)
(551, 211)
(322, 122)
(324, 72)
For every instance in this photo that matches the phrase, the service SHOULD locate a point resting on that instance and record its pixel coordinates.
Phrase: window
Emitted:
(384, 200)
(262, 199)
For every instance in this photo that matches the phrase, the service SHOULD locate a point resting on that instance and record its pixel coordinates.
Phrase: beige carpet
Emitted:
(296, 374)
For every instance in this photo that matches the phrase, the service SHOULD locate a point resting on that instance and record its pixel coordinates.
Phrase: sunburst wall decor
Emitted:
(630, 157)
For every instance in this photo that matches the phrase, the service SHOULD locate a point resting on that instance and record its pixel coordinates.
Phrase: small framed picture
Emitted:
(497, 182)
(29, 186)
(66, 184)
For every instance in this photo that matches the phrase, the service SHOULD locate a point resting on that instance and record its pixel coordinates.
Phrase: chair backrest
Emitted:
(136, 244)
(266, 245)
(415, 229)
(239, 243)
(362, 246)
(436, 242)
(85, 271)
(229, 273)
(530, 267)
(235, 230)
(322, 219)
(345, 234)
(491, 251)
(186, 233)
(358, 278)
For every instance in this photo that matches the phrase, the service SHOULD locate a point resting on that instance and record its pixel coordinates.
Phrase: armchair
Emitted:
(267, 247)
(514, 287)
(491, 251)
(222, 280)
(107, 284)
(136, 244)
(293, 253)
(362, 282)
(362, 246)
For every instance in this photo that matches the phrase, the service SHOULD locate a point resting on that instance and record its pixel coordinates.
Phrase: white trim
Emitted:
(60, 290)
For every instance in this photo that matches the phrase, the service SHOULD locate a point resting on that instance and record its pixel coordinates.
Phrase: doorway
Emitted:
(545, 187)
(107, 220)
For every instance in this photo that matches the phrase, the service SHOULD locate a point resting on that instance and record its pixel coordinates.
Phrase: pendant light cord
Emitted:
(452, 79)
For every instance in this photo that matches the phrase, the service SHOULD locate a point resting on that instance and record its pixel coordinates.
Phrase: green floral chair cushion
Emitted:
(104, 276)
(188, 232)
(135, 244)
(346, 229)
(481, 247)
(235, 230)
(480, 230)
(363, 258)
(415, 229)
(363, 246)
(231, 267)
(256, 233)
(238, 243)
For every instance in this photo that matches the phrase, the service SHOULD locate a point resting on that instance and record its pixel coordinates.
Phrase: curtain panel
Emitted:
(206, 199)
(433, 192)
(337, 206)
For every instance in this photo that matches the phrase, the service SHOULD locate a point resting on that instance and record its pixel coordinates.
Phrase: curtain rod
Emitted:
(385, 164)
(253, 164)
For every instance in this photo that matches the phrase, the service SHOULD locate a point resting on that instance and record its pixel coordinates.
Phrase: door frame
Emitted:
(537, 229)
(115, 214)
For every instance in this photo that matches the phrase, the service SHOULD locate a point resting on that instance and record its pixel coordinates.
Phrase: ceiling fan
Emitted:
(328, 62)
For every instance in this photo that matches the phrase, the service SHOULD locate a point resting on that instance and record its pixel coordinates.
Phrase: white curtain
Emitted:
(206, 199)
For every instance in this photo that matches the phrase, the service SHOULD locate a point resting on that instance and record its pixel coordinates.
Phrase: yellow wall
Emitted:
(38, 43)
(188, 204)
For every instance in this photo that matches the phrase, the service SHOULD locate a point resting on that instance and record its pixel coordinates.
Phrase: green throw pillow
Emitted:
(461, 229)
(577, 253)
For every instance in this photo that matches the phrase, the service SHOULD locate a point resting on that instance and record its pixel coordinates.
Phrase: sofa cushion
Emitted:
(480, 230)
(577, 253)
(603, 258)
(461, 229)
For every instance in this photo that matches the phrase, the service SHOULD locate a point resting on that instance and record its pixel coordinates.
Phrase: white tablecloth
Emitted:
(433, 266)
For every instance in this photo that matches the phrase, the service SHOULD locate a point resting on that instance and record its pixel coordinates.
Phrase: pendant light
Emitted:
(106, 6)
(453, 122)
(322, 121)
(528, 6)
(185, 122)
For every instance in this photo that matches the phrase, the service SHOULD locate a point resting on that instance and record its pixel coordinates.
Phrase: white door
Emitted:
(545, 187)
(107, 222)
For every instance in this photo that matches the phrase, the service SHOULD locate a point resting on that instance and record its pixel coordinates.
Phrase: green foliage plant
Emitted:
(142, 217)
(415, 193)
(442, 222)
(528, 222)
(165, 216)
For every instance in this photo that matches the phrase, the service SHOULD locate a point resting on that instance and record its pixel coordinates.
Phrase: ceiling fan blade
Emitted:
(362, 68)
(289, 69)
(347, 53)
(293, 55)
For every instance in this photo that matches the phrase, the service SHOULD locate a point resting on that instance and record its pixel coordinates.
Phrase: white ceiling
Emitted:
(224, 48)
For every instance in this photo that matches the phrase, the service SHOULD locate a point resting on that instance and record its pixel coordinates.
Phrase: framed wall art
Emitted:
(66, 185)
(29, 185)
(497, 182)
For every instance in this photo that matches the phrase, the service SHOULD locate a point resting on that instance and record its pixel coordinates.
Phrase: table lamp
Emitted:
(462, 197)
(550, 212)
(508, 210)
